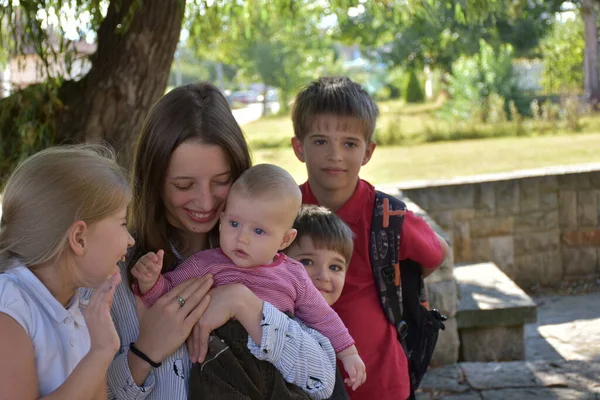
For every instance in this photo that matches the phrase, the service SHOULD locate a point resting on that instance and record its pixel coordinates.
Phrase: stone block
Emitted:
(443, 296)
(489, 298)
(529, 194)
(443, 218)
(485, 198)
(537, 394)
(507, 197)
(527, 243)
(498, 343)
(567, 209)
(481, 250)
(537, 221)
(461, 241)
(444, 273)
(419, 196)
(542, 267)
(579, 262)
(581, 238)
(503, 252)
(487, 227)
(594, 179)
(549, 201)
(463, 396)
(578, 181)
(463, 214)
(451, 197)
(499, 375)
(447, 347)
(548, 184)
(587, 208)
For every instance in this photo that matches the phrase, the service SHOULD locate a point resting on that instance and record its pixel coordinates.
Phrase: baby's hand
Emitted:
(147, 270)
(356, 370)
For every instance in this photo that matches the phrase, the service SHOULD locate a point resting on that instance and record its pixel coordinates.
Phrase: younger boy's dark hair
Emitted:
(337, 96)
(325, 229)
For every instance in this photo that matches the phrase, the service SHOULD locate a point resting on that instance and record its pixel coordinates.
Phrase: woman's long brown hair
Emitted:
(191, 112)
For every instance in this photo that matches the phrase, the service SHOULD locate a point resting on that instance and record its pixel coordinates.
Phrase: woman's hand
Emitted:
(227, 302)
(103, 335)
(166, 325)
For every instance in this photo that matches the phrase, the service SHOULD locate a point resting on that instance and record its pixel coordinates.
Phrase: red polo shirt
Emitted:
(359, 306)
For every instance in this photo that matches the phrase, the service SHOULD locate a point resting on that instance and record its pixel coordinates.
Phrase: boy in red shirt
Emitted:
(334, 121)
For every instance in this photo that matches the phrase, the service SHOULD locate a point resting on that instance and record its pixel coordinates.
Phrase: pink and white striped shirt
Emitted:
(283, 283)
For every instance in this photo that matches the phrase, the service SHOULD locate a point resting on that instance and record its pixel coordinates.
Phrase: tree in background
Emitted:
(414, 92)
(136, 42)
(562, 52)
(281, 53)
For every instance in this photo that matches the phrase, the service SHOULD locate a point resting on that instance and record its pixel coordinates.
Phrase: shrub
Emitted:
(414, 92)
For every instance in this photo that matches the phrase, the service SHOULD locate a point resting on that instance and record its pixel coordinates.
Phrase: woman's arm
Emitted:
(163, 328)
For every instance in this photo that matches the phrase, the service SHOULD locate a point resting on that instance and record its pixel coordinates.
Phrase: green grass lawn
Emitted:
(457, 158)
(276, 131)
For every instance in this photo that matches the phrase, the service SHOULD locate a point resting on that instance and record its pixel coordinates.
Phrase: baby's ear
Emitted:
(288, 238)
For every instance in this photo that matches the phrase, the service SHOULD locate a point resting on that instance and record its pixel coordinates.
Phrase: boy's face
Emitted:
(334, 151)
(254, 230)
(326, 268)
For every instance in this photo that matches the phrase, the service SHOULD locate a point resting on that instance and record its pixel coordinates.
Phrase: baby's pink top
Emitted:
(283, 283)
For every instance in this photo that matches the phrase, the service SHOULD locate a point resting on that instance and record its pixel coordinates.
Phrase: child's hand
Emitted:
(356, 370)
(147, 270)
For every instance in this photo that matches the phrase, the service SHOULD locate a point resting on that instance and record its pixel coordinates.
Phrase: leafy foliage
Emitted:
(563, 53)
(414, 92)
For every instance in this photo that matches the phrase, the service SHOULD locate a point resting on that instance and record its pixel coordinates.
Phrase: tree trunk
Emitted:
(283, 102)
(590, 61)
(129, 73)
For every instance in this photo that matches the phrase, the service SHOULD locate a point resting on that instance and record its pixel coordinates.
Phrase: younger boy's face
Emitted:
(326, 268)
(334, 151)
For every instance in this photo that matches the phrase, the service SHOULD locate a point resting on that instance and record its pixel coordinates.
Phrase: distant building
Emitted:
(26, 68)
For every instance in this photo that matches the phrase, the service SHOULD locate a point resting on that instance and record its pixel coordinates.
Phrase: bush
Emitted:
(414, 92)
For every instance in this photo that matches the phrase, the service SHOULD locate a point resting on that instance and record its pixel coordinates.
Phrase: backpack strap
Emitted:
(388, 216)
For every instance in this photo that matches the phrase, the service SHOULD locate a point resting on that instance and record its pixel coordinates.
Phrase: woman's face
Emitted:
(196, 186)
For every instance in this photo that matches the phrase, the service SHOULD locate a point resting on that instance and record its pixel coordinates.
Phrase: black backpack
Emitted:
(402, 289)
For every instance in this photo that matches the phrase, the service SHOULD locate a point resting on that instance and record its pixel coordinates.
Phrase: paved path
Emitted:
(563, 360)
(568, 328)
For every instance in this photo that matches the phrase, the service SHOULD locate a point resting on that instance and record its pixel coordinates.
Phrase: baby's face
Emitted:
(254, 230)
(326, 268)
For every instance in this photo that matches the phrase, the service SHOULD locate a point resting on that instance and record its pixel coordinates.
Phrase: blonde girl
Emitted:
(62, 228)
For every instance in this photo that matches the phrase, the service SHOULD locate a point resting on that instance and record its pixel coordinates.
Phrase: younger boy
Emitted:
(255, 226)
(334, 121)
(324, 246)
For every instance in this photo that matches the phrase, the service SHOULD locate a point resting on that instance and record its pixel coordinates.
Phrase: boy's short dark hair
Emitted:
(337, 96)
(325, 229)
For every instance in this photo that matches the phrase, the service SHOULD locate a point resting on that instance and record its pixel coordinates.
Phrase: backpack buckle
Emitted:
(402, 329)
(389, 275)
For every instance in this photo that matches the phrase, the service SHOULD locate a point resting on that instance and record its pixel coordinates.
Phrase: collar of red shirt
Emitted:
(350, 211)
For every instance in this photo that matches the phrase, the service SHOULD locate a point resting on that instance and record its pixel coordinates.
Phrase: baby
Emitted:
(255, 226)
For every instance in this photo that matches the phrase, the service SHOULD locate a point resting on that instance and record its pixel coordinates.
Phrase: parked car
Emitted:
(246, 97)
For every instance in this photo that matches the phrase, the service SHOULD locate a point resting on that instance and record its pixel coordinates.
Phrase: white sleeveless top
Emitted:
(59, 335)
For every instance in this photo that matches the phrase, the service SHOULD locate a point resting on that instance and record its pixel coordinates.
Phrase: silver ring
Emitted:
(181, 301)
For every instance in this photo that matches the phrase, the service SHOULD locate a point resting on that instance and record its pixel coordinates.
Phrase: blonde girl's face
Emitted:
(105, 243)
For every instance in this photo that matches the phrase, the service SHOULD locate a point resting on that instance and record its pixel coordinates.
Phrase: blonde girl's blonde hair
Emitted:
(51, 190)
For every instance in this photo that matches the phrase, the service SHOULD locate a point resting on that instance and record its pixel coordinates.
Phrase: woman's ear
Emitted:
(288, 238)
(77, 236)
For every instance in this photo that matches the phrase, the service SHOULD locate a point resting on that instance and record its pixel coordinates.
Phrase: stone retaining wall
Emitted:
(539, 226)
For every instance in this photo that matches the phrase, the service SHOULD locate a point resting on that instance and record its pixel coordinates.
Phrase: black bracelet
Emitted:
(144, 357)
